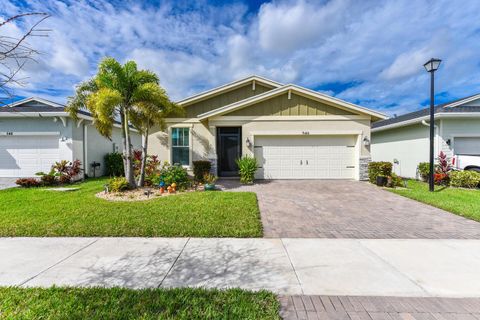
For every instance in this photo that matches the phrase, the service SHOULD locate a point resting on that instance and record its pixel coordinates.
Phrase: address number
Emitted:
(9, 133)
(306, 132)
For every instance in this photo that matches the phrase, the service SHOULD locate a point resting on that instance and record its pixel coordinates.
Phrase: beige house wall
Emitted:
(203, 134)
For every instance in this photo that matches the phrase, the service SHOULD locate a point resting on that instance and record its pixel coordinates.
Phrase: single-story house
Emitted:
(293, 132)
(404, 140)
(35, 133)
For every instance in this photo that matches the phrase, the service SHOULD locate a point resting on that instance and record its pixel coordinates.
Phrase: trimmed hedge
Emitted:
(423, 169)
(381, 168)
(464, 179)
(200, 169)
(114, 164)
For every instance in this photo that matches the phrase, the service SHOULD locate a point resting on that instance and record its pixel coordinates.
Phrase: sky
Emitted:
(367, 52)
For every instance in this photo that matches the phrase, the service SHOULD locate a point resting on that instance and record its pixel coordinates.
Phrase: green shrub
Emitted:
(28, 182)
(464, 179)
(114, 164)
(177, 174)
(48, 179)
(423, 169)
(395, 181)
(247, 166)
(200, 169)
(118, 184)
(381, 168)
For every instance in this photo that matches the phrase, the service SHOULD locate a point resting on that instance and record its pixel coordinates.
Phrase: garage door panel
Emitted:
(300, 157)
(467, 145)
(22, 156)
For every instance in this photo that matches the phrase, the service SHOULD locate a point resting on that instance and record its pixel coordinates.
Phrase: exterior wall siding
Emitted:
(224, 99)
(295, 106)
(203, 141)
(409, 145)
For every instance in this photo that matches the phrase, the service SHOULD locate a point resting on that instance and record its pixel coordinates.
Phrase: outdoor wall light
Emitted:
(63, 138)
(366, 141)
(449, 142)
(248, 143)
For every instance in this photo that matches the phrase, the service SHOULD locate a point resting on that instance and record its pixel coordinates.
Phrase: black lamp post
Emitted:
(432, 66)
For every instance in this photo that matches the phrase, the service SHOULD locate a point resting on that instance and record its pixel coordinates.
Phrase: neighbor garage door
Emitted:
(305, 157)
(467, 145)
(23, 156)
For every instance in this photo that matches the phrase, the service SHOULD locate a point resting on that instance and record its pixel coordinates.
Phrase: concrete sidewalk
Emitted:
(408, 268)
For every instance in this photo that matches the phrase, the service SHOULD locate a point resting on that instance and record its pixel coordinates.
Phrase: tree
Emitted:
(116, 91)
(15, 52)
(147, 115)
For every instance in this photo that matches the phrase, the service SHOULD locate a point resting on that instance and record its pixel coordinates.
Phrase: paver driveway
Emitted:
(349, 209)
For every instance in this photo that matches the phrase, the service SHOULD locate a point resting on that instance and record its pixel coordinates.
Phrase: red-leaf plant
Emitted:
(443, 164)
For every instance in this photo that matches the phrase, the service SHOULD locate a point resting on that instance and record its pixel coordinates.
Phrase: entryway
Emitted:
(229, 149)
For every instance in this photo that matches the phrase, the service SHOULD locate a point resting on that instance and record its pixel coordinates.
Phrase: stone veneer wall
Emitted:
(364, 161)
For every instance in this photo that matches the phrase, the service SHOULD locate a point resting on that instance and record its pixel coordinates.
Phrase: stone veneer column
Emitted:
(363, 167)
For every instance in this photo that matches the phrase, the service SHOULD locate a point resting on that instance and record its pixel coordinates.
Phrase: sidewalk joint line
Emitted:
(174, 262)
(373, 253)
(291, 263)
(58, 262)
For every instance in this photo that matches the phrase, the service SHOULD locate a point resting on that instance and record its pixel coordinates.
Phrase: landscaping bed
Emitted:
(117, 303)
(40, 212)
(460, 201)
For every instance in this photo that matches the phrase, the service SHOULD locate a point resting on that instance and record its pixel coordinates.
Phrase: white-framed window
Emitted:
(181, 146)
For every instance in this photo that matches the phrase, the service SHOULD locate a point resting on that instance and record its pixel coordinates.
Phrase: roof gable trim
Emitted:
(285, 89)
(227, 87)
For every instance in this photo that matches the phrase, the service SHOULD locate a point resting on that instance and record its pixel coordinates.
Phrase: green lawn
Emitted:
(40, 212)
(117, 303)
(462, 202)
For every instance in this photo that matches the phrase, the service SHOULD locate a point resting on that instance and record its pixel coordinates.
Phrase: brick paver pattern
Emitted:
(349, 209)
(376, 308)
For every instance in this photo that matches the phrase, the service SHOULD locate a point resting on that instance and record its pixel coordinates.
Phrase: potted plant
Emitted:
(382, 180)
(209, 181)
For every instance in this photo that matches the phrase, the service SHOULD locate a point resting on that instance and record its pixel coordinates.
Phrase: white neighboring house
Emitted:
(34, 133)
(404, 140)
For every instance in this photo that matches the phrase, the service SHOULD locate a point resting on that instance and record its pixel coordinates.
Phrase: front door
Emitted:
(229, 149)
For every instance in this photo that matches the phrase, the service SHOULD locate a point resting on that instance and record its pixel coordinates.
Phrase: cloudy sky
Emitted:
(366, 52)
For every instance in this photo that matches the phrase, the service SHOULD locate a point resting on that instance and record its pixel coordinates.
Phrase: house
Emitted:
(404, 140)
(34, 133)
(293, 132)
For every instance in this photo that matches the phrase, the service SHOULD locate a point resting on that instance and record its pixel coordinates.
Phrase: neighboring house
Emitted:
(405, 139)
(34, 133)
(294, 132)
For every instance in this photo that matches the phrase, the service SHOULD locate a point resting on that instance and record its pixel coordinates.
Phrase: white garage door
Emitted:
(467, 145)
(305, 157)
(23, 156)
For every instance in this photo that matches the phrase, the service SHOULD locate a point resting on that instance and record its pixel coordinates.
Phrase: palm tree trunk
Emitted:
(124, 141)
(141, 180)
(128, 153)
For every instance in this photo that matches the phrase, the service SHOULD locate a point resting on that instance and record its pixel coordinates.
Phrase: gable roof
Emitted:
(26, 106)
(227, 87)
(292, 88)
(456, 106)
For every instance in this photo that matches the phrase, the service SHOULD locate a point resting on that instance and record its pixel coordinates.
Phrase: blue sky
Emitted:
(367, 52)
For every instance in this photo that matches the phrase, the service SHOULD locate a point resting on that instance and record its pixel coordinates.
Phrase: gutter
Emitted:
(419, 120)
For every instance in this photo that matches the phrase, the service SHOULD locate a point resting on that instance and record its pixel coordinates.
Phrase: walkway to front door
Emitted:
(349, 209)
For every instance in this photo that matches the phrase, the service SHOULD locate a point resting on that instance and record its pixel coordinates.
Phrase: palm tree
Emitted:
(149, 114)
(116, 91)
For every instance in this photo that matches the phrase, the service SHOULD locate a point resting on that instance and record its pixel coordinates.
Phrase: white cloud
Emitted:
(375, 49)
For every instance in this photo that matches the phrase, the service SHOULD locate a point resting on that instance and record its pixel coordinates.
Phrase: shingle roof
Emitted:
(441, 108)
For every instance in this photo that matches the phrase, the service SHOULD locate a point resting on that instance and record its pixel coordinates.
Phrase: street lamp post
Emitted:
(432, 66)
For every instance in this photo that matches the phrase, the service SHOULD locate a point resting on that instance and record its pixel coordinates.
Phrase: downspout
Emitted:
(85, 153)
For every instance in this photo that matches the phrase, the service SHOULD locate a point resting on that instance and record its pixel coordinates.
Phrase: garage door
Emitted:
(305, 157)
(23, 156)
(467, 145)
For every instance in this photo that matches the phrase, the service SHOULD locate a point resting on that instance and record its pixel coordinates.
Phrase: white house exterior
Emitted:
(35, 133)
(404, 140)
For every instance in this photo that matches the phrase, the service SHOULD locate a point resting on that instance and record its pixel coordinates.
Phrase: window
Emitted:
(180, 146)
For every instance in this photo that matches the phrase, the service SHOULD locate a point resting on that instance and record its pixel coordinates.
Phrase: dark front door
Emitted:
(229, 148)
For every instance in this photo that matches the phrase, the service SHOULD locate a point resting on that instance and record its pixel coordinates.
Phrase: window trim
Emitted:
(190, 143)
